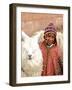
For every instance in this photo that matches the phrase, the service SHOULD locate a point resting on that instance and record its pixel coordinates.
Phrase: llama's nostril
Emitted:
(30, 57)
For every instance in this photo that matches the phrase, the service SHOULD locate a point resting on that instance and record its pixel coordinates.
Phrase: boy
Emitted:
(51, 53)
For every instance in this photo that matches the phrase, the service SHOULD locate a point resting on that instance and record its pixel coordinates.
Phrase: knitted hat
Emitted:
(50, 28)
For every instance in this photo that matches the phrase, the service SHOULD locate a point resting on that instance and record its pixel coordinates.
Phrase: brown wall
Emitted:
(32, 22)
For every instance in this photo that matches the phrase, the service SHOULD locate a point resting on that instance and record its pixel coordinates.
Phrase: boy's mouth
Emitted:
(48, 42)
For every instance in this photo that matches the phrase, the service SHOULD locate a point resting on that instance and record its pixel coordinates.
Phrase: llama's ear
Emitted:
(59, 38)
(39, 36)
(24, 36)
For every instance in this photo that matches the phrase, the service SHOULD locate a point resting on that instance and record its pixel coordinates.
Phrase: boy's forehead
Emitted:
(49, 33)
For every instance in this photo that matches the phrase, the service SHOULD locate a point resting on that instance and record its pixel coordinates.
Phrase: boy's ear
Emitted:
(39, 36)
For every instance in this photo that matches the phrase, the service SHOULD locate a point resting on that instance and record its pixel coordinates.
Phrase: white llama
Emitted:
(31, 63)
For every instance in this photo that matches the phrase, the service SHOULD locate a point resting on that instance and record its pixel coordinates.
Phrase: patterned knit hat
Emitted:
(50, 28)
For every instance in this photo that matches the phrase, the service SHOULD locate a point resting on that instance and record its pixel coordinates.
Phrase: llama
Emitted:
(31, 63)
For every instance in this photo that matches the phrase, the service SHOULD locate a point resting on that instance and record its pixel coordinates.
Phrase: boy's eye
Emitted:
(52, 36)
(49, 35)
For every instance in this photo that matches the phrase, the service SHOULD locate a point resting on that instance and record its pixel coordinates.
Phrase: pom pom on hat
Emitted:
(50, 28)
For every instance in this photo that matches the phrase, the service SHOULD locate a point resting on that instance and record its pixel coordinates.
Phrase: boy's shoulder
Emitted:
(55, 48)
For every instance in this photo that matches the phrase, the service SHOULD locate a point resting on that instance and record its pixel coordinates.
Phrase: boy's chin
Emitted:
(48, 44)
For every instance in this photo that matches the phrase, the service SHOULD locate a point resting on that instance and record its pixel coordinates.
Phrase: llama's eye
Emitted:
(34, 51)
(24, 49)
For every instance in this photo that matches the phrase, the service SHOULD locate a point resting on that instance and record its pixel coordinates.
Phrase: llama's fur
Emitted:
(33, 66)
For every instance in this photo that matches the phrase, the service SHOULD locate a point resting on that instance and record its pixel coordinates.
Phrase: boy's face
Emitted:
(49, 38)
